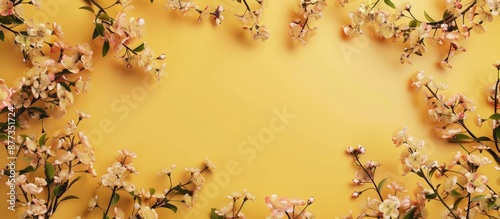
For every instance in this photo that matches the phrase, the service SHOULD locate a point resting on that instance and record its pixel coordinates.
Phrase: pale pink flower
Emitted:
(416, 161)
(147, 213)
(119, 214)
(31, 188)
(389, 207)
(478, 160)
(475, 182)
(92, 203)
(218, 18)
(400, 136)
(167, 171)
(421, 80)
(5, 95)
(36, 207)
(397, 186)
(6, 7)
(279, 206)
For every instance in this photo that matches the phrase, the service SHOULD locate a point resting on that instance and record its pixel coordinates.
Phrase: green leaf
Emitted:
(59, 190)
(5, 109)
(214, 215)
(2, 37)
(170, 206)
(49, 170)
(457, 202)
(95, 34)
(497, 132)
(495, 116)
(3, 136)
(88, 8)
(139, 48)
(65, 86)
(460, 138)
(410, 213)
(482, 138)
(100, 29)
(105, 48)
(431, 173)
(381, 184)
(17, 20)
(429, 18)
(104, 215)
(28, 169)
(42, 112)
(75, 180)
(115, 199)
(5, 20)
(430, 196)
(414, 23)
(454, 193)
(446, 15)
(152, 191)
(42, 139)
(105, 17)
(181, 190)
(389, 3)
(69, 197)
(420, 173)
(477, 198)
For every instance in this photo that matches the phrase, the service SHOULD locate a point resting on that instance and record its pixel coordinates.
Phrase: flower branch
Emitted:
(399, 23)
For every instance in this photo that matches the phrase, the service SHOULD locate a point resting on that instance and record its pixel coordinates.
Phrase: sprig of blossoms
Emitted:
(289, 207)
(400, 24)
(251, 20)
(61, 157)
(459, 181)
(11, 15)
(146, 201)
(309, 9)
(449, 114)
(188, 7)
(47, 88)
(120, 33)
(231, 210)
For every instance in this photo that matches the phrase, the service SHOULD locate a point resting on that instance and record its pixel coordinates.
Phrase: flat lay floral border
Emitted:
(55, 162)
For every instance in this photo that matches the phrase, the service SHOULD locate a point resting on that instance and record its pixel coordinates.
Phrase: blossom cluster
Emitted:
(252, 20)
(48, 86)
(308, 9)
(400, 24)
(231, 209)
(120, 33)
(449, 114)
(460, 179)
(146, 201)
(61, 157)
(188, 7)
(281, 207)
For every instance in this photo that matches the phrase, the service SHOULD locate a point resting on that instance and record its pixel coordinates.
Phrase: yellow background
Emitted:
(222, 88)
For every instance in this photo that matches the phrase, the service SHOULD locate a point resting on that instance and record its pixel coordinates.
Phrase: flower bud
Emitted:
(350, 150)
(361, 149)
(310, 200)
